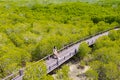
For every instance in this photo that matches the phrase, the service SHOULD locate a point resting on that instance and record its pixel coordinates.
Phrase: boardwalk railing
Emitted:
(71, 49)
(61, 61)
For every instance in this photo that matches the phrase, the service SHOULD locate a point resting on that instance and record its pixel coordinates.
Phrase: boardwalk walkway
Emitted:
(67, 52)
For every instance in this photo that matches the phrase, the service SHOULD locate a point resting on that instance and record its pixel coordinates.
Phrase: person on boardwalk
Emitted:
(55, 52)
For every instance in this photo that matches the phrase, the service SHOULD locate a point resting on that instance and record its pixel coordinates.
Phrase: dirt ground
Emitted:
(77, 73)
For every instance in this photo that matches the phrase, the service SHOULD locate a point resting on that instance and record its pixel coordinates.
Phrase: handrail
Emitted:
(82, 39)
(10, 75)
(65, 47)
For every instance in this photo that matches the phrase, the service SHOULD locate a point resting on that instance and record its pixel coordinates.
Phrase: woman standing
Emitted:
(55, 52)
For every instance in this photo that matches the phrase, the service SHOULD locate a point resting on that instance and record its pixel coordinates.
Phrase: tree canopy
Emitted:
(30, 29)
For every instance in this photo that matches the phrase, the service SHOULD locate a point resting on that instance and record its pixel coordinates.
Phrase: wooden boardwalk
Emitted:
(67, 52)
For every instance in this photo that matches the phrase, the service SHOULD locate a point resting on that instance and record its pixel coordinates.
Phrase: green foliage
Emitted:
(114, 35)
(92, 74)
(104, 42)
(84, 49)
(106, 58)
(106, 55)
(12, 60)
(29, 29)
(63, 73)
(103, 71)
(96, 65)
(111, 68)
(36, 71)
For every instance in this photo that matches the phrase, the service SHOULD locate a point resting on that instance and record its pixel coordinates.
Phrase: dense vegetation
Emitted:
(29, 32)
(105, 58)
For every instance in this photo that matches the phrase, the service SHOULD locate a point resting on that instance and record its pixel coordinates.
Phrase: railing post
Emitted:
(64, 57)
(92, 41)
(75, 51)
(20, 72)
(49, 67)
(57, 62)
